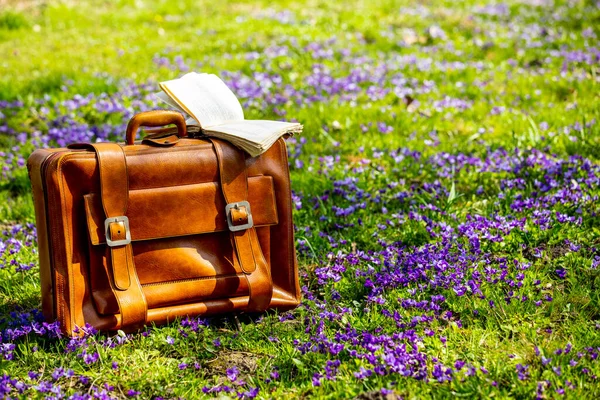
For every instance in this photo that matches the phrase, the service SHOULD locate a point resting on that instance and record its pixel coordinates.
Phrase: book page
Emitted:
(257, 131)
(205, 97)
(162, 96)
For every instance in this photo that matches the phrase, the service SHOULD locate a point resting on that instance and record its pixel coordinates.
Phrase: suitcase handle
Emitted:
(155, 118)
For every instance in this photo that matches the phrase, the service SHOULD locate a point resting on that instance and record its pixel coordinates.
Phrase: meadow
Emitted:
(446, 192)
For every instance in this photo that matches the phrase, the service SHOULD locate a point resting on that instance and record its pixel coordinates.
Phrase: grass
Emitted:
(446, 186)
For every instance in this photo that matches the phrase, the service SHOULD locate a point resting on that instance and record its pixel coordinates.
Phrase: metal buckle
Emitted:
(122, 242)
(235, 228)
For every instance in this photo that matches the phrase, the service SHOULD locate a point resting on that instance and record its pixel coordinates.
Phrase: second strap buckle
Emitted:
(115, 220)
(237, 206)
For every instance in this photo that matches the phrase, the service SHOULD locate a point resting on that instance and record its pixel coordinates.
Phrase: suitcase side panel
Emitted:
(36, 164)
(60, 221)
(284, 265)
(63, 251)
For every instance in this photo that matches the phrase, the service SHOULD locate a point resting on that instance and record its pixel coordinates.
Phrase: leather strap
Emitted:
(234, 183)
(114, 190)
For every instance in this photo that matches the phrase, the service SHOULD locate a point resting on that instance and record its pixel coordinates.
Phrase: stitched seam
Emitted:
(284, 163)
(246, 237)
(43, 169)
(200, 278)
(190, 184)
(100, 169)
(123, 208)
(67, 244)
(88, 212)
(114, 268)
(139, 286)
(214, 183)
(262, 255)
(248, 233)
(112, 283)
(245, 176)
(99, 150)
(85, 155)
(274, 200)
(171, 186)
(221, 164)
(250, 297)
(176, 186)
(153, 150)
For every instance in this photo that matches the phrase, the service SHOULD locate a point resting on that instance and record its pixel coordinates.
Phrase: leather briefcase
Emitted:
(139, 233)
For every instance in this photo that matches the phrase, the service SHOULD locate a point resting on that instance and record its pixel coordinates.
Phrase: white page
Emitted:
(205, 97)
(162, 96)
(257, 131)
(171, 103)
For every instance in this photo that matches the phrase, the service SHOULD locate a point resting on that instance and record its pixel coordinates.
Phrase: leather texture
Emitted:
(234, 184)
(131, 235)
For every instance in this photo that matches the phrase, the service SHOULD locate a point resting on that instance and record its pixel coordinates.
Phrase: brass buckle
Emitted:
(235, 228)
(122, 242)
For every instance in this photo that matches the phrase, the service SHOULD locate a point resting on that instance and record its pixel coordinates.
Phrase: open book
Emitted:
(214, 110)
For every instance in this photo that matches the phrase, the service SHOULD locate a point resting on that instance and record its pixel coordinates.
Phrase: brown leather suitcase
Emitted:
(140, 233)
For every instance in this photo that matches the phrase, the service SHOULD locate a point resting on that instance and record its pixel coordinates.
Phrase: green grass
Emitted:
(523, 87)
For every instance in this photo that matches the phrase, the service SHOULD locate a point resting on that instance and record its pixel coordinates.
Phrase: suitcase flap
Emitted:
(181, 210)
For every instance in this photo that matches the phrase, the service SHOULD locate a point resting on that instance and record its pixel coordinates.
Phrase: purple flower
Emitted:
(316, 379)
(58, 373)
(522, 372)
(442, 373)
(363, 373)
(546, 361)
(232, 374)
(90, 358)
(384, 128)
(251, 393)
